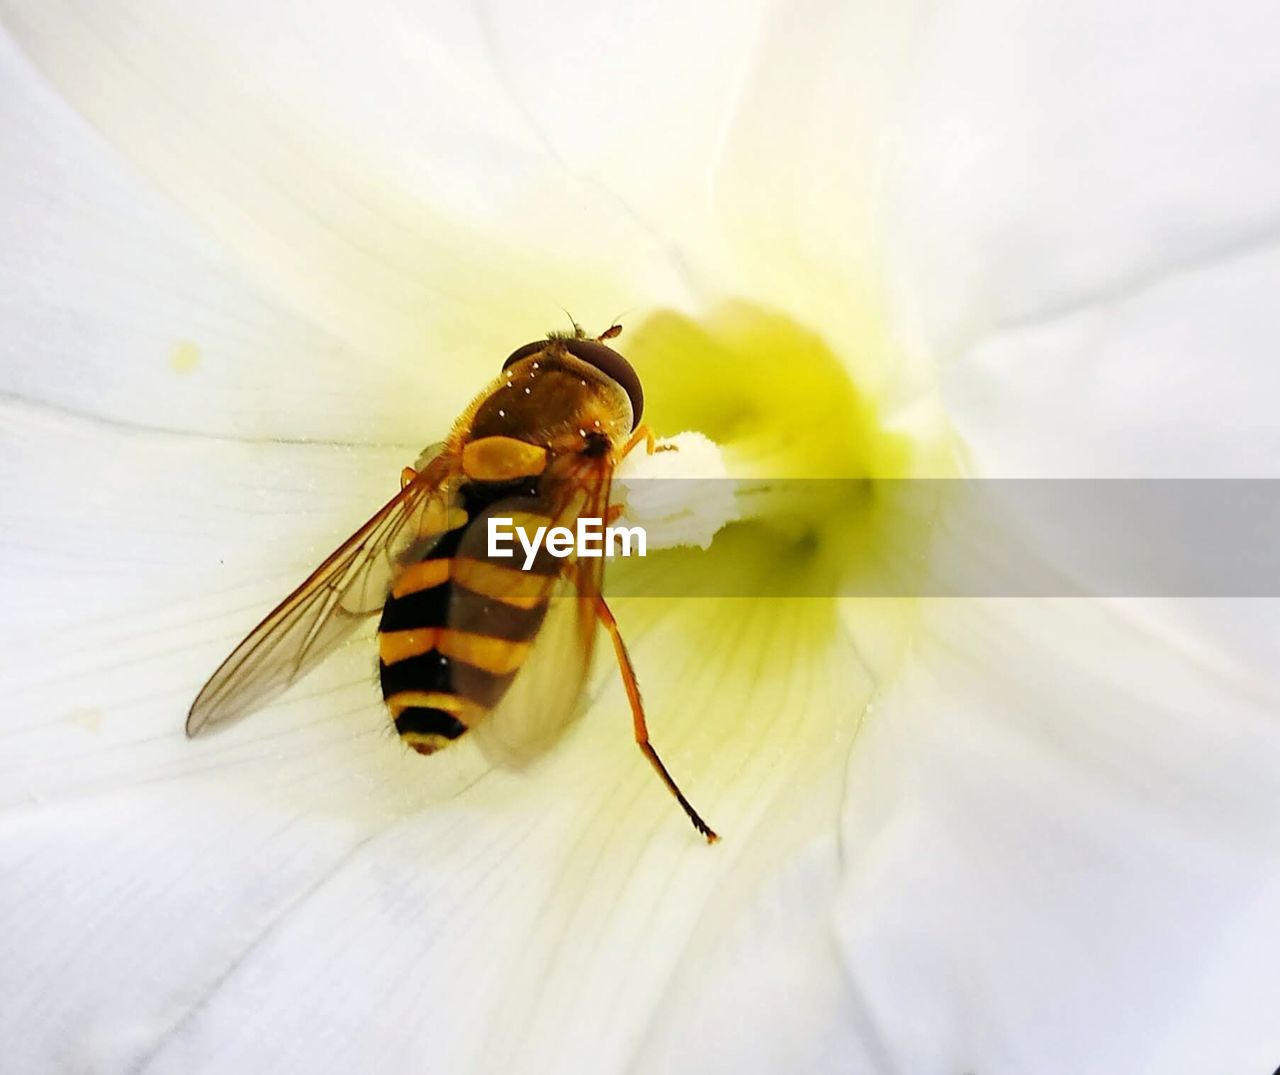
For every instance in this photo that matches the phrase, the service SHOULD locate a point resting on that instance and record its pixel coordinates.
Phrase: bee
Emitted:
(467, 643)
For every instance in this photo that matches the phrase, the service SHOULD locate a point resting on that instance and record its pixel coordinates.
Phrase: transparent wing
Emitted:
(545, 696)
(341, 593)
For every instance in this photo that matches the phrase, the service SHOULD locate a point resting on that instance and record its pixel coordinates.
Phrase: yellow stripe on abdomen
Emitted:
(446, 701)
(394, 646)
(420, 576)
(510, 585)
(496, 655)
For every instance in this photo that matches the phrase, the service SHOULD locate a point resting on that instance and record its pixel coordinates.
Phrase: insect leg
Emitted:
(407, 475)
(644, 433)
(637, 715)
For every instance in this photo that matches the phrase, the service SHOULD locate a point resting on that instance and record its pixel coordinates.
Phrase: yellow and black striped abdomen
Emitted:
(454, 634)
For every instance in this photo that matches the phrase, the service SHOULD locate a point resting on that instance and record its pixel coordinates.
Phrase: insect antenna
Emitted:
(578, 333)
(615, 325)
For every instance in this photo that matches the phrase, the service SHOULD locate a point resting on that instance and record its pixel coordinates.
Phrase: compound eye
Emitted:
(613, 366)
(525, 351)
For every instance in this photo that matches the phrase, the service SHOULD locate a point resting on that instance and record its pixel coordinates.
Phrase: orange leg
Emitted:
(644, 433)
(637, 716)
(407, 475)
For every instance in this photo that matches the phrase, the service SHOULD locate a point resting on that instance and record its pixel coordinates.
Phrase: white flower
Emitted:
(256, 256)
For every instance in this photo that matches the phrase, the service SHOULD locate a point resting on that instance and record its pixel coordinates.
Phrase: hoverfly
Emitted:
(467, 643)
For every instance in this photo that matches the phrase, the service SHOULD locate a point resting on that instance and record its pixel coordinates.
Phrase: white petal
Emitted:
(1046, 160)
(1174, 380)
(117, 306)
(1087, 228)
(367, 169)
(747, 142)
(1059, 845)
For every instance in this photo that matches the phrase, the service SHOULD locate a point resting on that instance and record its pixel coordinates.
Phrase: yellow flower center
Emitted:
(819, 443)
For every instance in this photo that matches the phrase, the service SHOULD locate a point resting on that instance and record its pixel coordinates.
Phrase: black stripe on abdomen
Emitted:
(435, 672)
(430, 608)
(426, 608)
(427, 721)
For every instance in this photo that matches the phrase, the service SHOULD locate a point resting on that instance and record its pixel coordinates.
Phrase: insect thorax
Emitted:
(556, 403)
